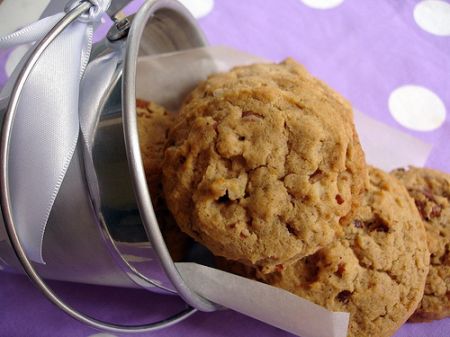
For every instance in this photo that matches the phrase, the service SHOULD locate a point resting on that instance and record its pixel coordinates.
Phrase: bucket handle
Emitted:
(6, 205)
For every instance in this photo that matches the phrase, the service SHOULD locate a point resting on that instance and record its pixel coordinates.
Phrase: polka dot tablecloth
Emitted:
(390, 58)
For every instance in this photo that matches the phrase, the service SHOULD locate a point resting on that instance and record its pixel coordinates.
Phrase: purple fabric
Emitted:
(363, 49)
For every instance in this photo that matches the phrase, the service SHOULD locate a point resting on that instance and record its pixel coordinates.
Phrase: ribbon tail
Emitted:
(45, 135)
(45, 132)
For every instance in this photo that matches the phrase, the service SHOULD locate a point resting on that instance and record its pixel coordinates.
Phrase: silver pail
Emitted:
(103, 208)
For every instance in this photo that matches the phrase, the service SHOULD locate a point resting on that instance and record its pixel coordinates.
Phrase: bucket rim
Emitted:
(170, 9)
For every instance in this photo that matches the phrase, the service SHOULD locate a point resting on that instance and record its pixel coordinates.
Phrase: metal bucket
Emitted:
(103, 208)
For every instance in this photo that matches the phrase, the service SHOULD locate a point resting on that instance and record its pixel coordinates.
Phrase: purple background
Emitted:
(363, 49)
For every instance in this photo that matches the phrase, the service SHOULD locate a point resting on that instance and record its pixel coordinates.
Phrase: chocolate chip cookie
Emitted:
(153, 125)
(431, 192)
(264, 165)
(376, 272)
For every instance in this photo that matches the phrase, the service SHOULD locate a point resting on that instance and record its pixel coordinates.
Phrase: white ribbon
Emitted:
(46, 126)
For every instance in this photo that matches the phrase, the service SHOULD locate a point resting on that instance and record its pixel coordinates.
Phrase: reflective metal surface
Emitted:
(69, 206)
(117, 211)
(72, 237)
(102, 215)
(160, 26)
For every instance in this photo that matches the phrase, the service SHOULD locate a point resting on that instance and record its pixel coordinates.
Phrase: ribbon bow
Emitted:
(46, 126)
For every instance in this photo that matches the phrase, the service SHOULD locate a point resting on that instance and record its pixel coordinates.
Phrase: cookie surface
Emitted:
(431, 192)
(376, 272)
(264, 165)
(153, 125)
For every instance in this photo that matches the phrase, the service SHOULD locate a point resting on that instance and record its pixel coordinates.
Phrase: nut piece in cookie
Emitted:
(264, 165)
(153, 125)
(431, 192)
(376, 272)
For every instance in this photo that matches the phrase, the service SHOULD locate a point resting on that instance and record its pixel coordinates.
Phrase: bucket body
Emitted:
(95, 229)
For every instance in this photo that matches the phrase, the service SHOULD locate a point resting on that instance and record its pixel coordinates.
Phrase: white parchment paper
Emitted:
(389, 148)
(166, 79)
(271, 305)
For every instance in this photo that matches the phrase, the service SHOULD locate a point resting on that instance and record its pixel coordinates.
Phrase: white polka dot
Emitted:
(433, 16)
(198, 8)
(102, 334)
(322, 4)
(14, 59)
(417, 108)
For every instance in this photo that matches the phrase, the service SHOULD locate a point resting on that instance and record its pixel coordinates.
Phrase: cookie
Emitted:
(431, 192)
(376, 272)
(263, 165)
(153, 125)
